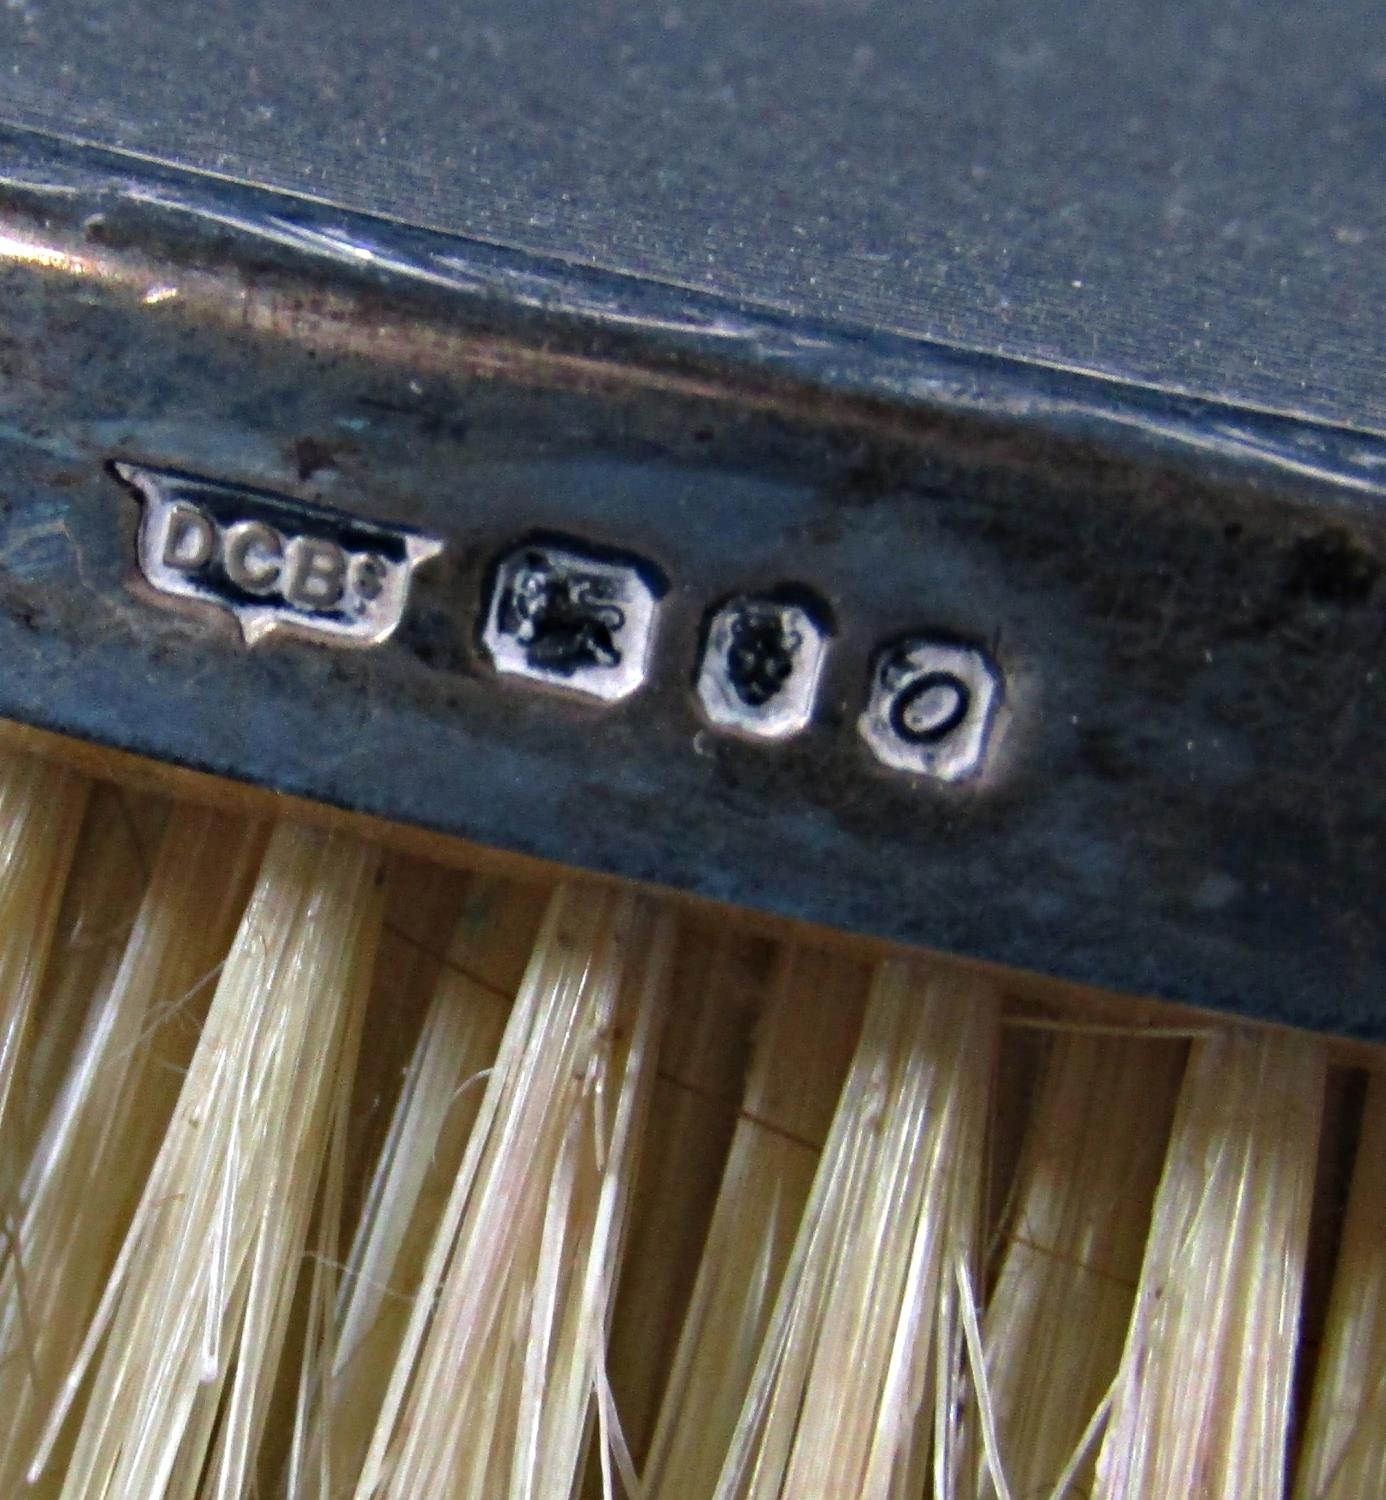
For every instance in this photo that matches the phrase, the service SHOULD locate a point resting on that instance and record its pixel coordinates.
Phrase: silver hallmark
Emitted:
(931, 708)
(572, 619)
(760, 667)
(273, 562)
(562, 613)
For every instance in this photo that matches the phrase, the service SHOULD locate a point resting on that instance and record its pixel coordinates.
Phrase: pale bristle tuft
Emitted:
(41, 809)
(1344, 1455)
(1201, 1404)
(441, 1095)
(1058, 1315)
(97, 1145)
(182, 1351)
(859, 1372)
(803, 1046)
(501, 1369)
(334, 1176)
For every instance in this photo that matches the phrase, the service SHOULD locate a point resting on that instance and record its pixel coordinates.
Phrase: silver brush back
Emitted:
(783, 606)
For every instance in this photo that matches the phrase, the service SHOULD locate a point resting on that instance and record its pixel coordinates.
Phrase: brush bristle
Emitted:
(328, 1173)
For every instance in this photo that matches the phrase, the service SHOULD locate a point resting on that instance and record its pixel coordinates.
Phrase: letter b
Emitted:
(316, 575)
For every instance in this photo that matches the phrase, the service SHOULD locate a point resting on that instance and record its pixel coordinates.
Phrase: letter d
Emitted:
(190, 539)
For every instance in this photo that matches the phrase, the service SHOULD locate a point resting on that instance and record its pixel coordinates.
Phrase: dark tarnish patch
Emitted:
(431, 635)
(874, 474)
(1104, 753)
(312, 456)
(435, 419)
(1330, 567)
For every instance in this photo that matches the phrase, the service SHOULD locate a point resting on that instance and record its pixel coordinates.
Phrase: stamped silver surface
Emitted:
(276, 564)
(559, 612)
(572, 619)
(760, 668)
(931, 709)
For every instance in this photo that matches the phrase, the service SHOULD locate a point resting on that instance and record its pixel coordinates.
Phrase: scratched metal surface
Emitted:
(1189, 196)
(1187, 602)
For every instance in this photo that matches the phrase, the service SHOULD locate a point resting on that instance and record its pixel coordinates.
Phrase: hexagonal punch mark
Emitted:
(572, 618)
(761, 662)
(932, 708)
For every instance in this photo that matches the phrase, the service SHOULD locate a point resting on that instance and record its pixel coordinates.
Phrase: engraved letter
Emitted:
(254, 556)
(190, 539)
(316, 574)
(931, 708)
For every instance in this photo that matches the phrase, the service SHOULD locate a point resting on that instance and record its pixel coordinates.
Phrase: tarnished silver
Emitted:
(574, 620)
(273, 562)
(759, 672)
(931, 709)
(1169, 668)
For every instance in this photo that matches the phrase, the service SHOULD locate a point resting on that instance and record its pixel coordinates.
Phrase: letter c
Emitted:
(254, 556)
